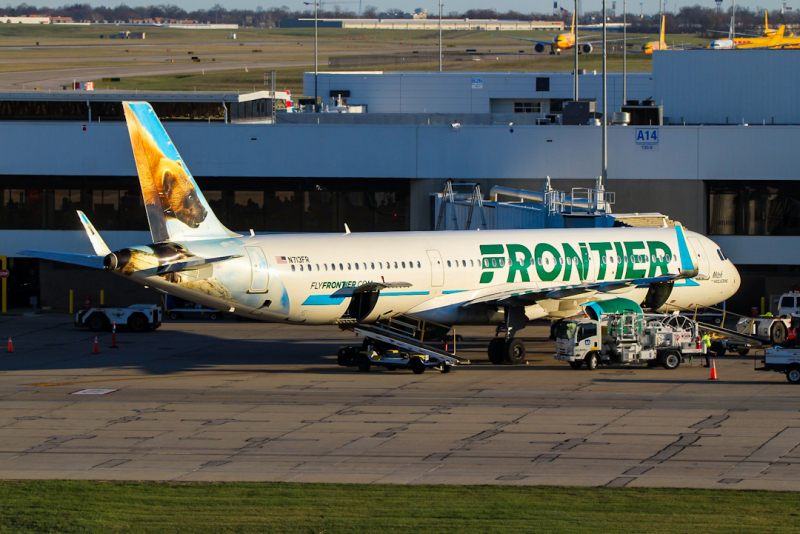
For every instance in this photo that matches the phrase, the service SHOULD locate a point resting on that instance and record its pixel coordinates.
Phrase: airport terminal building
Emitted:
(724, 163)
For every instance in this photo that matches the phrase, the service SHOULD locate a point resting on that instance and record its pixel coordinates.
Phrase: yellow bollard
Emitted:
(102, 297)
(71, 302)
(762, 305)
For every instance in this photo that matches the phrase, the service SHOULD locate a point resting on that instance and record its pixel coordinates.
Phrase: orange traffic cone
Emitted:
(114, 336)
(96, 349)
(713, 369)
(10, 348)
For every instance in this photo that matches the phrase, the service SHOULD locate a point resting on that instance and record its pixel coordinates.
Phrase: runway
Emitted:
(225, 401)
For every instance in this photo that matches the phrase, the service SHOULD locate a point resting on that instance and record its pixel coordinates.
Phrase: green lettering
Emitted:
(661, 259)
(620, 259)
(541, 267)
(490, 264)
(632, 249)
(515, 265)
(571, 258)
(602, 250)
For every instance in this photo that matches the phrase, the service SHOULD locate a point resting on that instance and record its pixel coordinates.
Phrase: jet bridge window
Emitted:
(527, 107)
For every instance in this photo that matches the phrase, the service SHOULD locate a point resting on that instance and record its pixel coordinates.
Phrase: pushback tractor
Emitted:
(627, 336)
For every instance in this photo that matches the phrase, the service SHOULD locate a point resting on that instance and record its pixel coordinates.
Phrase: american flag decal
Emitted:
(281, 259)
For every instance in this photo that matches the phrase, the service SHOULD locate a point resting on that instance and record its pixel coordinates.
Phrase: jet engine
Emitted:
(657, 295)
(539, 48)
(586, 48)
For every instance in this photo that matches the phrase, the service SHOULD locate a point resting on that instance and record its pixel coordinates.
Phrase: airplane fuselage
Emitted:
(437, 276)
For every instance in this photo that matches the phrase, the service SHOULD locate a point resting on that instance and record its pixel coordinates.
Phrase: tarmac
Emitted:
(243, 401)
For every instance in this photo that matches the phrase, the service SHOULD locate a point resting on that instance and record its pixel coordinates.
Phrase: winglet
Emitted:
(688, 267)
(99, 246)
(346, 229)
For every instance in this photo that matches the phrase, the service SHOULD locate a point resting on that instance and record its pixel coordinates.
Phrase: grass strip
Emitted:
(77, 506)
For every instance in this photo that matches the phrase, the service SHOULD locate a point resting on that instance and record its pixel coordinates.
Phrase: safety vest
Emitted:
(707, 340)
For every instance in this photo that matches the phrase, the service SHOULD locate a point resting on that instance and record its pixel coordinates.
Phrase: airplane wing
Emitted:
(610, 40)
(527, 297)
(525, 39)
(738, 34)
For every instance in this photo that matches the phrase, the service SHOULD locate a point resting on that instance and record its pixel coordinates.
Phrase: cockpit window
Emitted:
(722, 255)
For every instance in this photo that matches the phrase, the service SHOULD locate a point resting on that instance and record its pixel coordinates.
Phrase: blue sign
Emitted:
(647, 138)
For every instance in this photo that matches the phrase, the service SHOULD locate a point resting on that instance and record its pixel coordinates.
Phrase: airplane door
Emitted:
(700, 254)
(259, 271)
(437, 269)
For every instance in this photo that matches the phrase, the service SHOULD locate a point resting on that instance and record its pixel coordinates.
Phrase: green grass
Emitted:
(72, 506)
(292, 77)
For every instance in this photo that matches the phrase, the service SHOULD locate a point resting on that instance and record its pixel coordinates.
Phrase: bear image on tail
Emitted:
(167, 188)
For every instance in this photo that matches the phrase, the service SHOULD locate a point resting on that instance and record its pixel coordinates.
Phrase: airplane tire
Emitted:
(417, 366)
(364, 364)
(496, 351)
(515, 352)
(446, 367)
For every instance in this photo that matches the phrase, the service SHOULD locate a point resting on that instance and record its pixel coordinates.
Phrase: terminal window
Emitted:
(754, 208)
(274, 205)
(527, 107)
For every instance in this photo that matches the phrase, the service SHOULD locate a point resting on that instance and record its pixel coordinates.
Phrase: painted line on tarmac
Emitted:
(54, 384)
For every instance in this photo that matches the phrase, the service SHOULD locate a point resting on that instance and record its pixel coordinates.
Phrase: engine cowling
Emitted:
(539, 48)
(586, 48)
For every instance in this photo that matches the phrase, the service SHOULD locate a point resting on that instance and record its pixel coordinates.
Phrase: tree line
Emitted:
(690, 19)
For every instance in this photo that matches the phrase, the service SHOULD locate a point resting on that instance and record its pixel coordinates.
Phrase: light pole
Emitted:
(641, 9)
(440, 35)
(575, 33)
(316, 61)
(624, 52)
(604, 177)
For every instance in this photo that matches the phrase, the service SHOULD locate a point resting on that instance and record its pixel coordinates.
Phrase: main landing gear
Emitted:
(508, 349)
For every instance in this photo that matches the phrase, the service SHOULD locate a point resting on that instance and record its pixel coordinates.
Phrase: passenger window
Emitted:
(539, 260)
(403, 264)
(395, 265)
(333, 266)
(348, 267)
(411, 265)
(372, 265)
(388, 265)
(292, 267)
(325, 265)
(356, 266)
(502, 262)
(419, 265)
(603, 260)
(448, 263)
(309, 267)
(318, 266)
(471, 263)
(341, 267)
(301, 266)
(463, 263)
(380, 265)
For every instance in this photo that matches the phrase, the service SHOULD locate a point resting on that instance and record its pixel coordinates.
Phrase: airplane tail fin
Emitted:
(574, 13)
(176, 209)
(663, 28)
(780, 31)
(766, 23)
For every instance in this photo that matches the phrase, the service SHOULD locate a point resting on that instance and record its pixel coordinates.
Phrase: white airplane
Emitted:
(452, 278)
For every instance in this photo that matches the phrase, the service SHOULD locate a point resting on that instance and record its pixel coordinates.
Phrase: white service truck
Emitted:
(628, 338)
(783, 360)
(136, 318)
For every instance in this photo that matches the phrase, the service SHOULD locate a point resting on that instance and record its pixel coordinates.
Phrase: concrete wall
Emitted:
(410, 151)
(459, 92)
(715, 87)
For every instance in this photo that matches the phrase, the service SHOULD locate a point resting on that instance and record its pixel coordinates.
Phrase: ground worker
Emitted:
(791, 336)
(706, 340)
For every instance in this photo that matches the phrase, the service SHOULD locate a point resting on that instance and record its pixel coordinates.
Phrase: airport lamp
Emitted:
(604, 177)
(624, 52)
(440, 35)
(316, 63)
(575, 34)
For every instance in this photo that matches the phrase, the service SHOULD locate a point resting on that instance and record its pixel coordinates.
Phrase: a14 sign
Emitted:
(647, 138)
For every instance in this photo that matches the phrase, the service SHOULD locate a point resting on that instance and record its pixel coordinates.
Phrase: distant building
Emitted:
(25, 19)
(426, 24)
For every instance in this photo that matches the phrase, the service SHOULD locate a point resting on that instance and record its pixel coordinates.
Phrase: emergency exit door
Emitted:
(259, 271)
(437, 269)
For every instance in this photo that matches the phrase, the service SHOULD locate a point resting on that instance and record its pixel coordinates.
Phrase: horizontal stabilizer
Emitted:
(84, 260)
(190, 264)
